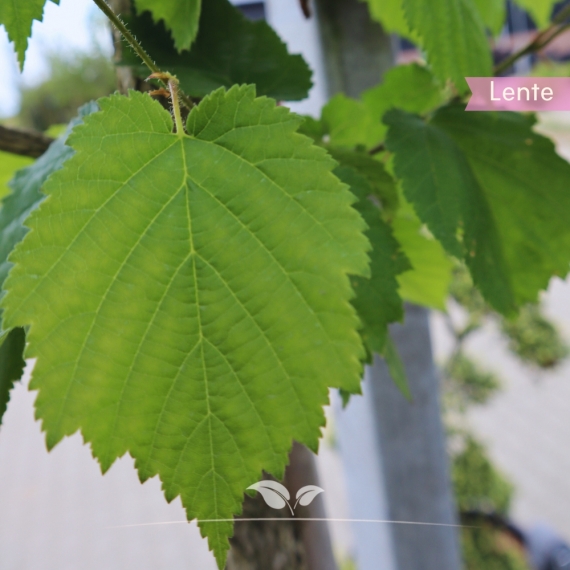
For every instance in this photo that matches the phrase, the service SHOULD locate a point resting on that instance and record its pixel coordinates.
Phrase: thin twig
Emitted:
(137, 47)
(377, 149)
(23, 142)
(306, 8)
(541, 40)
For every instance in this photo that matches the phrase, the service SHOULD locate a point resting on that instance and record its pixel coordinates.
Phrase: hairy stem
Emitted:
(173, 86)
(137, 47)
(541, 40)
(132, 41)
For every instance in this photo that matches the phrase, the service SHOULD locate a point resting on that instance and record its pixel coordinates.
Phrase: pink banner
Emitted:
(519, 94)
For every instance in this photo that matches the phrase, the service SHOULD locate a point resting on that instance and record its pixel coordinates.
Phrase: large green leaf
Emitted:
(11, 364)
(377, 301)
(493, 192)
(180, 16)
(540, 10)
(17, 16)
(229, 50)
(453, 35)
(188, 295)
(26, 194)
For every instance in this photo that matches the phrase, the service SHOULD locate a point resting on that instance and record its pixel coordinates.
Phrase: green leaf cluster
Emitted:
(492, 191)
(466, 384)
(228, 50)
(534, 339)
(351, 123)
(428, 280)
(479, 485)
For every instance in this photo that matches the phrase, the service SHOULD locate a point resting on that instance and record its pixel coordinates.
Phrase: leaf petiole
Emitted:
(173, 86)
(137, 47)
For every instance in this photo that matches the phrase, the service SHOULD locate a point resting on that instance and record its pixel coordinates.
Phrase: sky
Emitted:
(74, 25)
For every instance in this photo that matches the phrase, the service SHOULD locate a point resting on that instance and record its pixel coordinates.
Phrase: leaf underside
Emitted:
(228, 50)
(188, 297)
(181, 17)
(493, 192)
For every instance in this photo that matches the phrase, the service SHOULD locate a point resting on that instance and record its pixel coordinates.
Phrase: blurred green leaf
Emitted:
(466, 383)
(181, 17)
(453, 35)
(477, 484)
(412, 88)
(427, 282)
(465, 293)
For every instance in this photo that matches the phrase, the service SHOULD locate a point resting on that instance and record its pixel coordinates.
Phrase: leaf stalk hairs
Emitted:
(173, 93)
(138, 48)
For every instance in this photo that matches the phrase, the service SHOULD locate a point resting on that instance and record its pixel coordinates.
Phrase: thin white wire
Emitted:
(295, 519)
